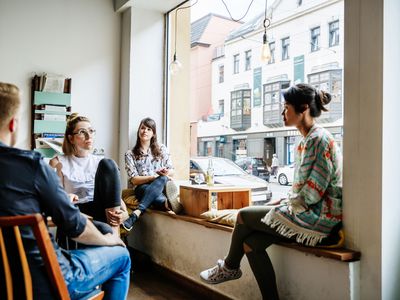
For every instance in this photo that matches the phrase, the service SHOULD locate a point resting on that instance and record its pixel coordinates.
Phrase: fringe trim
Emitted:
(289, 229)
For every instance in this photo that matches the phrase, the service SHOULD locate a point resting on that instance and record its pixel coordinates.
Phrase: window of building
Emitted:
(247, 60)
(221, 107)
(273, 103)
(285, 48)
(334, 33)
(272, 50)
(236, 64)
(329, 81)
(219, 52)
(241, 109)
(315, 33)
(221, 71)
(263, 82)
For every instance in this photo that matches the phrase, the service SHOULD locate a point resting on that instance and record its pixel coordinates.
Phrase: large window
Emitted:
(247, 55)
(334, 33)
(240, 109)
(236, 64)
(221, 71)
(285, 48)
(315, 33)
(236, 96)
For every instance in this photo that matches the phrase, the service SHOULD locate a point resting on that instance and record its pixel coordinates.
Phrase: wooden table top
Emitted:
(215, 187)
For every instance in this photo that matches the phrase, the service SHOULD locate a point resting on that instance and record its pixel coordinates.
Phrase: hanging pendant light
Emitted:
(265, 50)
(175, 66)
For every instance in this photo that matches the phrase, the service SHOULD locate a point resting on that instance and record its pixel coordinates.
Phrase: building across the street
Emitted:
(306, 44)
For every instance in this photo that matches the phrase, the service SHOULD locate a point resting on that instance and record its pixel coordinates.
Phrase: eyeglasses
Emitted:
(85, 132)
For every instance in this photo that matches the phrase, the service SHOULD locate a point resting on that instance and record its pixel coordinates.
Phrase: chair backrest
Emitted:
(15, 277)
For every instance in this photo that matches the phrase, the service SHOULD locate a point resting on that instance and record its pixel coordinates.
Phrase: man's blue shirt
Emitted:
(28, 186)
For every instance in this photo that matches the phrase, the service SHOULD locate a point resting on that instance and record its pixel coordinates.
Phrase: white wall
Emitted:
(125, 126)
(362, 143)
(147, 71)
(79, 39)
(391, 157)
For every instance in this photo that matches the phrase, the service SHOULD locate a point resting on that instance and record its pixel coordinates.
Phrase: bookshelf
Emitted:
(50, 110)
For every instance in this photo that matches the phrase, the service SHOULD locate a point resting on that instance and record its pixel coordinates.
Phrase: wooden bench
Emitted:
(340, 254)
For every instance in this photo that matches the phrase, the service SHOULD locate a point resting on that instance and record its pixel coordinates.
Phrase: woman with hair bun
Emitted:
(312, 213)
(92, 182)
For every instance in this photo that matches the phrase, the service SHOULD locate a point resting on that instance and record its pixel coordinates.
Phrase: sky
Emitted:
(236, 7)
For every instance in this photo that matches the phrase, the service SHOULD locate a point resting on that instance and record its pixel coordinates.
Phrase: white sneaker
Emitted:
(172, 193)
(220, 273)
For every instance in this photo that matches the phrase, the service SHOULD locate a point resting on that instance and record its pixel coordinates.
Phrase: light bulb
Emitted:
(265, 51)
(175, 66)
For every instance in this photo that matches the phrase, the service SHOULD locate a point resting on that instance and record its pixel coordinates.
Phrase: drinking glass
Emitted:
(199, 178)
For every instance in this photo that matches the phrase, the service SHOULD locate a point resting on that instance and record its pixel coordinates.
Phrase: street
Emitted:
(278, 191)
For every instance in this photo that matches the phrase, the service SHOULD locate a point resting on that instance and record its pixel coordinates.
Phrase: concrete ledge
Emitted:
(341, 254)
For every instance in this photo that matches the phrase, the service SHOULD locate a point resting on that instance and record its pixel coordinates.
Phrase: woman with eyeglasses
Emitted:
(92, 182)
(312, 213)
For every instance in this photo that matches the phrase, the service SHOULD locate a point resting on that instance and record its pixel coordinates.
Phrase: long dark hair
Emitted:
(303, 94)
(154, 146)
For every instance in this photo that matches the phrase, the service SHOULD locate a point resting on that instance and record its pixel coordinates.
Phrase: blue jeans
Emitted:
(93, 266)
(151, 193)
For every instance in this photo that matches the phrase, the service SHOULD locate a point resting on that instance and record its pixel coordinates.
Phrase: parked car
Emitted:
(255, 166)
(285, 174)
(227, 172)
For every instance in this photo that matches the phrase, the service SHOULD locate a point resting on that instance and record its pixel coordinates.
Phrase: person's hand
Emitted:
(73, 197)
(275, 202)
(163, 172)
(114, 240)
(117, 217)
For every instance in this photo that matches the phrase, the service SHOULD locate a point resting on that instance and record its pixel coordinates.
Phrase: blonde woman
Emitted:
(92, 182)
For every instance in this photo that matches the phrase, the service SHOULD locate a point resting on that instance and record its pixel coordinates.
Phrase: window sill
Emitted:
(340, 254)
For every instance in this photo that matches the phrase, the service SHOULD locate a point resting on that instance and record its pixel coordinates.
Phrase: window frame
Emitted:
(272, 51)
(333, 33)
(285, 44)
(236, 63)
(315, 38)
(221, 78)
(221, 107)
(247, 60)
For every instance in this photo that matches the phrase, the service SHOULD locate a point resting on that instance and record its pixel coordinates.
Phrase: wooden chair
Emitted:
(15, 276)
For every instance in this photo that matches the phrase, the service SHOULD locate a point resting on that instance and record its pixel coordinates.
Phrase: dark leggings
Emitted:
(107, 191)
(252, 237)
(151, 193)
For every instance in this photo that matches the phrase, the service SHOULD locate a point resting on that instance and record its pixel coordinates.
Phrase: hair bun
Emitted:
(325, 97)
(72, 117)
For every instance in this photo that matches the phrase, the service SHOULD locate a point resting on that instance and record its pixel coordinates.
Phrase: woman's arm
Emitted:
(138, 180)
(55, 164)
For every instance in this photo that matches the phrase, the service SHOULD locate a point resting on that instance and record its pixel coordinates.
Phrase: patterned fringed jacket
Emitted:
(314, 205)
